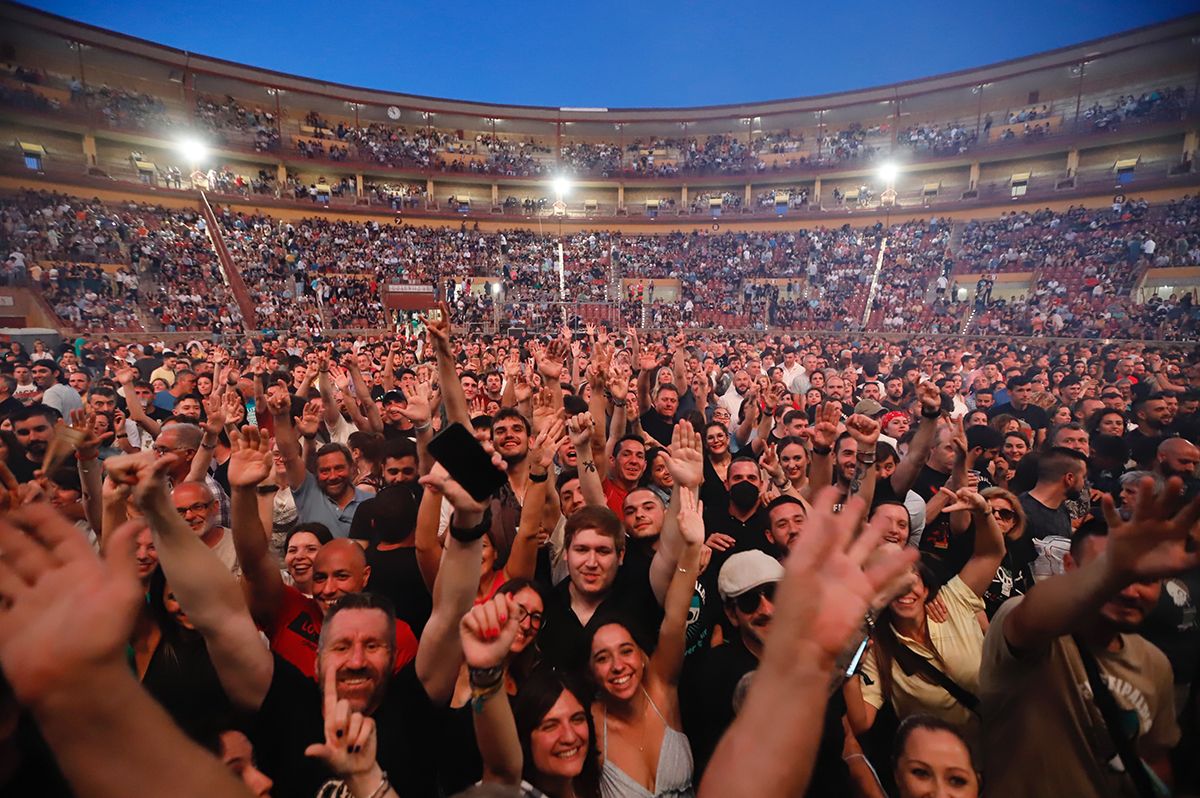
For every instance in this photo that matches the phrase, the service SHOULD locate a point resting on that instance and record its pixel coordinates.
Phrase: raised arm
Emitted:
(580, 427)
(214, 422)
(905, 475)
(865, 432)
(823, 435)
(249, 465)
(685, 461)
(1157, 542)
(452, 393)
(439, 654)
(667, 661)
(362, 393)
(828, 586)
(980, 570)
(522, 559)
(205, 588)
(486, 634)
(286, 440)
(67, 619)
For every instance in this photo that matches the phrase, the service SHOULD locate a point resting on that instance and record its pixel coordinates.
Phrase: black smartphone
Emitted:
(466, 461)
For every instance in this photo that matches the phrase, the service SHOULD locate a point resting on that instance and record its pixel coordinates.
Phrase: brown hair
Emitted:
(601, 519)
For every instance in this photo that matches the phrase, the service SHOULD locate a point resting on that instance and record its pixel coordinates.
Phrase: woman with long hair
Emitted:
(637, 697)
(913, 651)
(544, 740)
(1015, 574)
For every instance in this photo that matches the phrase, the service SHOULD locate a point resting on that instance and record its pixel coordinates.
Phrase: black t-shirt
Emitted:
(290, 720)
(395, 574)
(1031, 414)
(21, 466)
(181, 677)
(10, 406)
(1041, 521)
(657, 427)
(947, 551)
(706, 701)
(1014, 577)
(564, 640)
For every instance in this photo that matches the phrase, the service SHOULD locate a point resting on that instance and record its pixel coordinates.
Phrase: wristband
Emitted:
(618, 402)
(266, 490)
(933, 415)
(485, 678)
(822, 450)
(423, 427)
(207, 446)
(119, 437)
(471, 534)
(539, 477)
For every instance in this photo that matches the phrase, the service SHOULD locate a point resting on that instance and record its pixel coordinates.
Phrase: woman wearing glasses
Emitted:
(1014, 577)
(463, 765)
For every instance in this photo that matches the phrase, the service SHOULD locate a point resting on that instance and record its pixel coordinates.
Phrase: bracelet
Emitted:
(618, 402)
(485, 678)
(266, 490)
(822, 450)
(474, 533)
(931, 416)
(119, 437)
(780, 484)
(384, 785)
(423, 427)
(539, 478)
(866, 460)
(210, 447)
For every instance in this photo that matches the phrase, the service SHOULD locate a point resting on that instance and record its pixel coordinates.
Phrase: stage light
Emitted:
(496, 289)
(562, 185)
(193, 150)
(888, 172)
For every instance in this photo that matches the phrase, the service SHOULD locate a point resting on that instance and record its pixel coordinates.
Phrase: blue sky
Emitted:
(620, 53)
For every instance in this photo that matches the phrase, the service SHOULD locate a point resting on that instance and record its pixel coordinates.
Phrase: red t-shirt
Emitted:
(614, 495)
(298, 628)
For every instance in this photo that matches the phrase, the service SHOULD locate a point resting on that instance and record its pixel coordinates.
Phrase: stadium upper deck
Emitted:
(78, 100)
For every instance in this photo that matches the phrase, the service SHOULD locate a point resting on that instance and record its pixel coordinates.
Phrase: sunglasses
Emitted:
(1004, 515)
(748, 602)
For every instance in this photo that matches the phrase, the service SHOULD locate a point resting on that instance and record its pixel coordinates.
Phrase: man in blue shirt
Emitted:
(327, 497)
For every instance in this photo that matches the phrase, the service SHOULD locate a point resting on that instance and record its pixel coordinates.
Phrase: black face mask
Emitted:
(744, 495)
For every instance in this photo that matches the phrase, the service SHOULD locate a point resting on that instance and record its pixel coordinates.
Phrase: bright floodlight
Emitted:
(496, 289)
(193, 150)
(888, 172)
(561, 186)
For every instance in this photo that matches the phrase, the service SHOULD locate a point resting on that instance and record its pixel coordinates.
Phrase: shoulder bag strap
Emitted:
(911, 662)
(1111, 714)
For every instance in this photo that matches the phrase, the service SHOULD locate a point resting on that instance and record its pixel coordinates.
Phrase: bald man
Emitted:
(291, 620)
(1178, 458)
(199, 507)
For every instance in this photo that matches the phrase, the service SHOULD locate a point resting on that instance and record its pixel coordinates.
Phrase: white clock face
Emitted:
(393, 112)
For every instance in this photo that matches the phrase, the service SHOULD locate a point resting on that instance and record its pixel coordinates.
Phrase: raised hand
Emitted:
(250, 460)
(440, 482)
(770, 463)
(144, 472)
(550, 359)
(350, 741)
(1154, 542)
(437, 325)
(418, 408)
(618, 381)
(968, 499)
(545, 445)
(310, 420)
(85, 421)
(930, 397)
(235, 409)
(831, 578)
(279, 403)
(691, 517)
(580, 427)
(66, 613)
(214, 411)
(685, 456)
(864, 430)
(825, 431)
(488, 630)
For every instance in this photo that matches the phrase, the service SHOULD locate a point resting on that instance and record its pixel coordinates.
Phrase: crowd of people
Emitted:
(107, 266)
(591, 562)
(325, 274)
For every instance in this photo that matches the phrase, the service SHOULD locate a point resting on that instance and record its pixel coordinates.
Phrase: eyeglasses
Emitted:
(198, 507)
(1003, 515)
(534, 618)
(748, 602)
